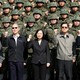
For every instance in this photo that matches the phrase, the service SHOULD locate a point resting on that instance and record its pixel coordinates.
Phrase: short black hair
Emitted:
(64, 23)
(37, 32)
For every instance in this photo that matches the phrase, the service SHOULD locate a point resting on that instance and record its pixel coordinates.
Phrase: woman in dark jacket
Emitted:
(41, 55)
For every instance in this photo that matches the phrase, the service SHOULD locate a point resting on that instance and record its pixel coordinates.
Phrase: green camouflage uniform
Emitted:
(40, 22)
(74, 13)
(6, 6)
(27, 14)
(52, 46)
(68, 19)
(74, 28)
(18, 21)
(43, 8)
(21, 10)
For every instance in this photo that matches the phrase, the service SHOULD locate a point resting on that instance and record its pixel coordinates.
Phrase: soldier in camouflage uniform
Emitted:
(6, 10)
(74, 9)
(53, 8)
(62, 4)
(76, 25)
(28, 10)
(39, 19)
(12, 4)
(6, 31)
(52, 27)
(65, 16)
(40, 4)
(15, 18)
(19, 5)
(30, 29)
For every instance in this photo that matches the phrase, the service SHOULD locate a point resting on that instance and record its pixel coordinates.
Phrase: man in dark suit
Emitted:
(16, 47)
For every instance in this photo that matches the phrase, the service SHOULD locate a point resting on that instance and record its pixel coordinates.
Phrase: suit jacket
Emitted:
(15, 53)
(40, 52)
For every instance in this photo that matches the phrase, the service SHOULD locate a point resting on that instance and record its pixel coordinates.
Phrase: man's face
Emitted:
(31, 24)
(53, 21)
(61, 4)
(74, 9)
(11, 1)
(64, 16)
(15, 29)
(20, 5)
(64, 28)
(28, 8)
(76, 23)
(37, 16)
(6, 24)
(6, 10)
(40, 4)
(16, 16)
(52, 9)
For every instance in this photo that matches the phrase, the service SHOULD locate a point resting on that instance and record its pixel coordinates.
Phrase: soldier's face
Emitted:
(15, 16)
(6, 24)
(76, 23)
(74, 8)
(64, 28)
(6, 10)
(39, 4)
(52, 9)
(53, 21)
(19, 5)
(40, 34)
(64, 16)
(37, 16)
(11, 1)
(31, 24)
(61, 4)
(28, 9)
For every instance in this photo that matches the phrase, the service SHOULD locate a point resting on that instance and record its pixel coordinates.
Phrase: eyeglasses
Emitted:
(14, 27)
(65, 27)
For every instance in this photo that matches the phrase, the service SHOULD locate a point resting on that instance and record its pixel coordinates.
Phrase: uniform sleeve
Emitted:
(55, 39)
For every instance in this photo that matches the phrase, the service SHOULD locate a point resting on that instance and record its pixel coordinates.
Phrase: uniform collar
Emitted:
(62, 35)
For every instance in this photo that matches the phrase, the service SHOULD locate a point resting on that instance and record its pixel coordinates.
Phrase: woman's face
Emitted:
(39, 34)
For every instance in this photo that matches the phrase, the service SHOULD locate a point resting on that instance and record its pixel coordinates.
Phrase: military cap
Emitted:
(19, 1)
(53, 16)
(53, 4)
(76, 18)
(15, 12)
(26, 4)
(37, 11)
(43, 1)
(5, 19)
(64, 11)
(62, 1)
(30, 19)
(6, 6)
(74, 4)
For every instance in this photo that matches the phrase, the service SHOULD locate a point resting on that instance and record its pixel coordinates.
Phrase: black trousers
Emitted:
(16, 70)
(65, 68)
(39, 71)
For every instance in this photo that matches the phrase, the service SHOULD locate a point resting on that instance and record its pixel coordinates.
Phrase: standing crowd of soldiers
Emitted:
(32, 15)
